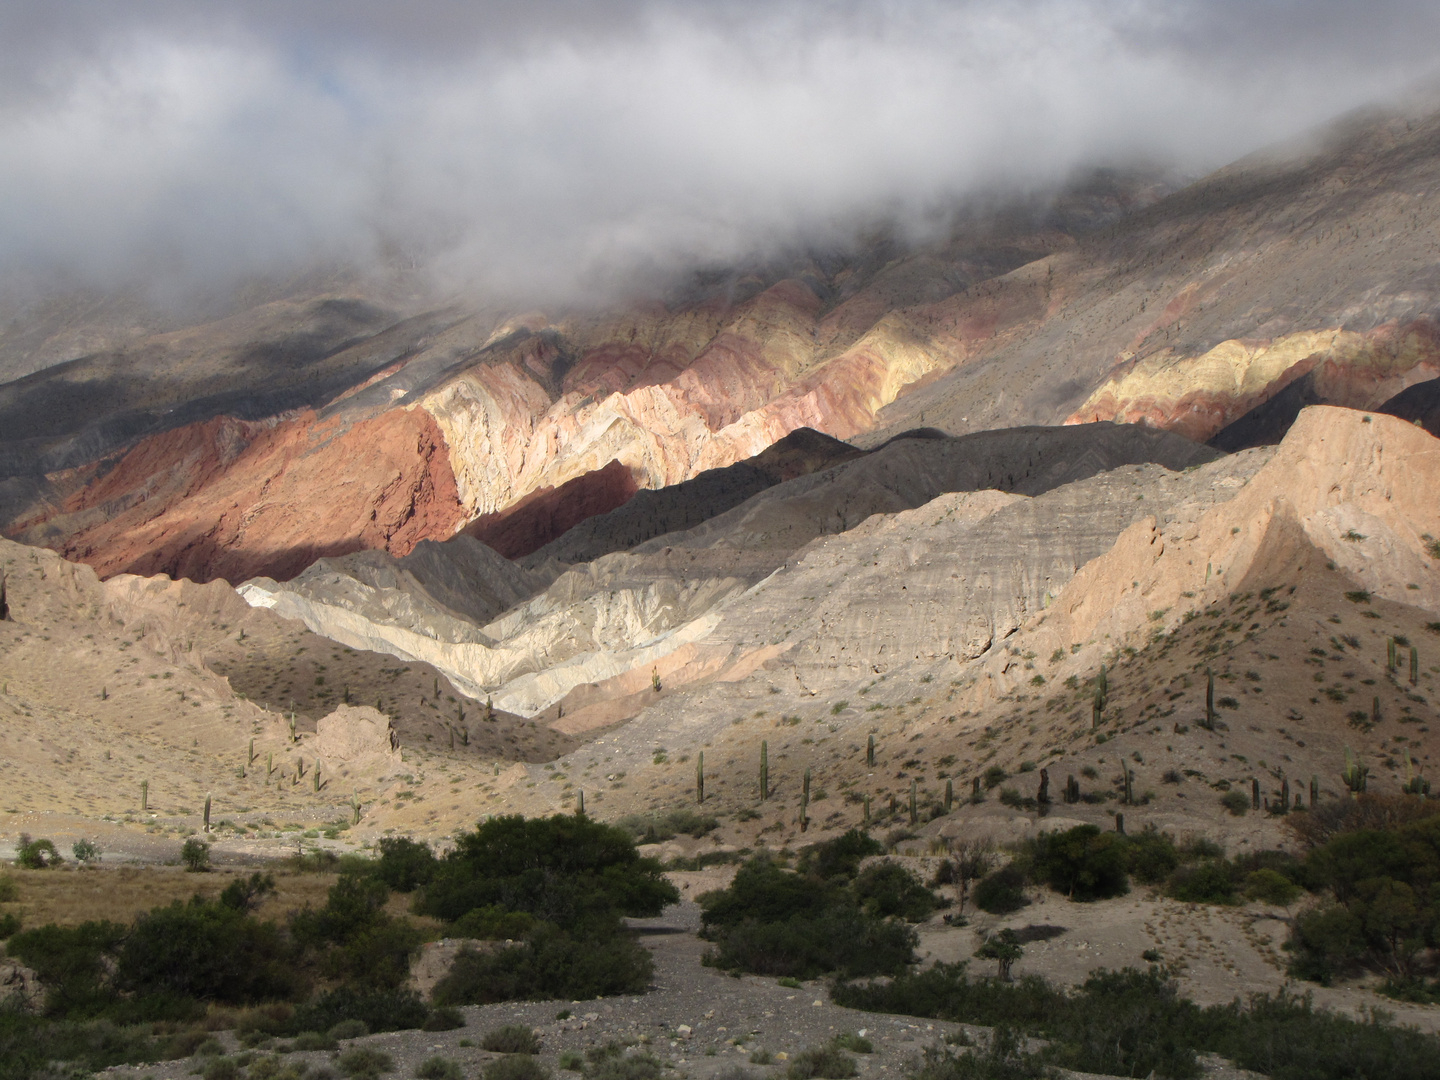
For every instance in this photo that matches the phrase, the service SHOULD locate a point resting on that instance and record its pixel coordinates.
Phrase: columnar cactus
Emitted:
(144, 795)
(207, 813)
(700, 777)
(914, 810)
(949, 795)
(805, 801)
(870, 751)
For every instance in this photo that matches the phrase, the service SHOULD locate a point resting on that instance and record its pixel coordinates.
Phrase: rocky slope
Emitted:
(1313, 263)
(624, 617)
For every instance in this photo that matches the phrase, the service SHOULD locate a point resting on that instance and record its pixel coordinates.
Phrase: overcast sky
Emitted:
(540, 150)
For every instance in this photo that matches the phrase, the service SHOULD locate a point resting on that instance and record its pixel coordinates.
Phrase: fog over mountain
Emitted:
(568, 150)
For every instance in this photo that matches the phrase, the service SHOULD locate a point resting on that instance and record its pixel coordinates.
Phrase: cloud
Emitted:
(549, 150)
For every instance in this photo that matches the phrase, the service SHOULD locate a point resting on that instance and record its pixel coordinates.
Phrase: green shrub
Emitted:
(515, 1067)
(1151, 856)
(1129, 1023)
(1210, 882)
(550, 964)
(195, 854)
(370, 1009)
(221, 1068)
(72, 963)
(36, 854)
(404, 864)
(619, 1066)
(840, 857)
(493, 923)
(1270, 887)
(565, 870)
(439, 1068)
(656, 828)
(1001, 891)
(349, 1029)
(511, 1039)
(1237, 802)
(887, 888)
(571, 1061)
(855, 1043)
(841, 939)
(363, 1062)
(205, 950)
(822, 1062)
(9, 925)
(1083, 863)
(85, 851)
(9, 891)
(355, 939)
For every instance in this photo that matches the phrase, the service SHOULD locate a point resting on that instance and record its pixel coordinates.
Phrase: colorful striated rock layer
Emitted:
(1188, 312)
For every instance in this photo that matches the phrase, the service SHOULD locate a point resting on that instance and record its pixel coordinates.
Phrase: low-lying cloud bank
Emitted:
(557, 150)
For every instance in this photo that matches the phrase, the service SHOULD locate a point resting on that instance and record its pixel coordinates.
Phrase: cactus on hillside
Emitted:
(764, 770)
(144, 795)
(1354, 775)
(1414, 665)
(870, 751)
(700, 777)
(207, 812)
(914, 810)
(949, 795)
(805, 801)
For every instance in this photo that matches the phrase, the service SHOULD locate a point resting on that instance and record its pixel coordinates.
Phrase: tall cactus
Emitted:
(1209, 724)
(1129, 786)
(1096, 708)
(949, 795)
(293, 736)
(1254, 793)
(1314, 791)
(4, 601)
(354, 808)
(1284, 795)
(914, 810)
(1042, 797)
(580, 802)
(700, 777)
(1414, 665)
(1375, 710)
(251, 759)
(207, 812)
(764, 770)
(1354, 775)
(1103, 685)
(315, 775)
(1389, 654)
(870, 752)
(144, 795)
(867, 809)
(805, 801)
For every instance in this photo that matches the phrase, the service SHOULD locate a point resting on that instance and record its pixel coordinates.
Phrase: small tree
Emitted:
(1004, 948)
(195, 855)
(85, 851)
(36, 854)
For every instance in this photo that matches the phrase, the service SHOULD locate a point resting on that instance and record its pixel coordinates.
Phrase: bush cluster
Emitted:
(1380, 909)
(1129, 1023)
(829, 915)
(1084, 864)
(557, 887)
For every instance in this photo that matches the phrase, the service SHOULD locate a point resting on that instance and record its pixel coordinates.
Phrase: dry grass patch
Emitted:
(70, 896)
